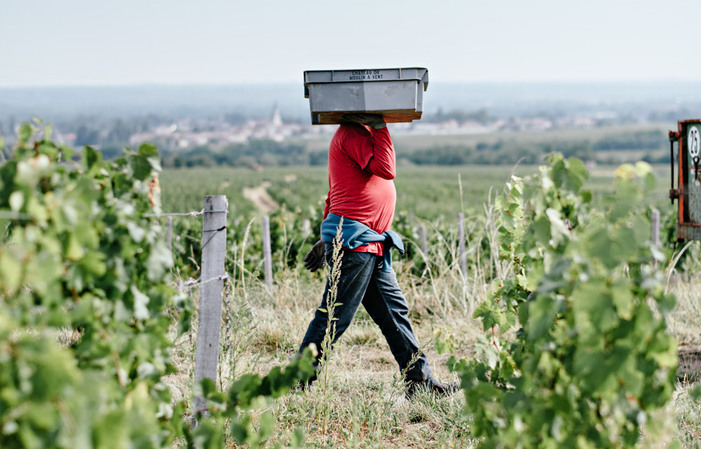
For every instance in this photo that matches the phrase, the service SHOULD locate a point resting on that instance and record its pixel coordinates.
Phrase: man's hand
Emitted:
(315, 259)
(375, 121)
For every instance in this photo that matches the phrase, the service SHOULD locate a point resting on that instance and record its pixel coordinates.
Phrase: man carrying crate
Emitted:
(362, 198)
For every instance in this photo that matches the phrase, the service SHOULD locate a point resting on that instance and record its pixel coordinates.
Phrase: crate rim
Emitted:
(417, 78)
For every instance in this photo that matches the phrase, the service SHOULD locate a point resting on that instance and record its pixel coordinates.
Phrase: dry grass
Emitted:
(365, 405)
(685, 324)
(365, 402)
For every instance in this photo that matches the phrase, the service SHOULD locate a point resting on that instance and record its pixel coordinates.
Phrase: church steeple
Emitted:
(277, 119)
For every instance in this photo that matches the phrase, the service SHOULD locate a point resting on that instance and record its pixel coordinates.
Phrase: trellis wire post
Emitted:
(655, 230)
(267, 256)
(169, 233)
(211, 288)
(461, 244)
(422, 239)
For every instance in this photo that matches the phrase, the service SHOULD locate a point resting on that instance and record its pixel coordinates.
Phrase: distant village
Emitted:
(187, 133)
(182, 134)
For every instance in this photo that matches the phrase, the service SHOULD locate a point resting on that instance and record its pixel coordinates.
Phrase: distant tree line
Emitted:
(263, 152)
(271, 153)
(255, 152)
(497, 153)
(641, 140)
(112, 139)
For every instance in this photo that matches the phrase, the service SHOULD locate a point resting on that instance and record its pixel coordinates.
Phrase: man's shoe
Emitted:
(431, 385)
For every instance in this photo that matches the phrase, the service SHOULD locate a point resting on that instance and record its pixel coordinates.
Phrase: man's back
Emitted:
(361, 170)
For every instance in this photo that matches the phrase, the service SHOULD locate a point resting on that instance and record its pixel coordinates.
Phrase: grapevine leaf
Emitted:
(499, 203)
(136, 232)
(541, 230)
(67, 153)
(623, 300)
(578, 173)
(140, 304)
(590, 344)
(593, 306)
(159, 261)
(587, 196)
(631, 379)
(148, 150)
(491, 315)
(599, 247)
(590, 366)
(48, 150)
(623, 244)
(664, 351)
(208, 435)
(91, 158)
(541, 313)
(93, 263)
(140, 166)
(26, 130)
(11, 271)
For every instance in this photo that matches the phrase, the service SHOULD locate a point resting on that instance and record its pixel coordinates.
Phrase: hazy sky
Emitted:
(95, 42)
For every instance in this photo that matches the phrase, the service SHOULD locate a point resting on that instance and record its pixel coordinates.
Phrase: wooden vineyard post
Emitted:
(267, 256)
(655, 230)
(211, 288)
(169, 233)
(422, 240)
(656, 227)
(461, 244)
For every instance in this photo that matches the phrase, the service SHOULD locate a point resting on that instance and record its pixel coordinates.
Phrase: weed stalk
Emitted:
(330, 334)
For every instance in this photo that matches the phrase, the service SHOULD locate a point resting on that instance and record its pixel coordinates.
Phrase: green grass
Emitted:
(427, 192)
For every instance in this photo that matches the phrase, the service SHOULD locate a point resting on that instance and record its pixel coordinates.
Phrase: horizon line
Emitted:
(601, 81)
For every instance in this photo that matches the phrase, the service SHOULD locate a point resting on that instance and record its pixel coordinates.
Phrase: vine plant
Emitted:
(591, 358)
(86, 310)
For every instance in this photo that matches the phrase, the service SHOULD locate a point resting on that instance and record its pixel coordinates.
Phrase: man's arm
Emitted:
(383, 162)
(374, 152)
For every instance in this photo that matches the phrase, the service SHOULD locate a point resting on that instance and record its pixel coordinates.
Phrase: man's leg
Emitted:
(356, 272)
(388, 308)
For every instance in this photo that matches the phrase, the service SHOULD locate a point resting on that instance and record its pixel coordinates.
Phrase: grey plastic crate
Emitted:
(397, 94)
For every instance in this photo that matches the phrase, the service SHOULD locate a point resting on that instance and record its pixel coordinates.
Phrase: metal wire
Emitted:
(187, 214)
(4, 214)
(196, 282)
(223, 228)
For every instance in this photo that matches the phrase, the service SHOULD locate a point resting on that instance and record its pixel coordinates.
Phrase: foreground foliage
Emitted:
(88, 317)
(591, 358)
(87, 310)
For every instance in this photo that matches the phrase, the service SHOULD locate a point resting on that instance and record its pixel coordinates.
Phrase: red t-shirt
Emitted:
(361, 169)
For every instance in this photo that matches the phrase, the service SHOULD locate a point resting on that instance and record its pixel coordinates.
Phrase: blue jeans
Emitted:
(363, 281)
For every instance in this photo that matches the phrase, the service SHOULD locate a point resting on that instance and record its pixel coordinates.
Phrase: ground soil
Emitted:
(260, 196)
